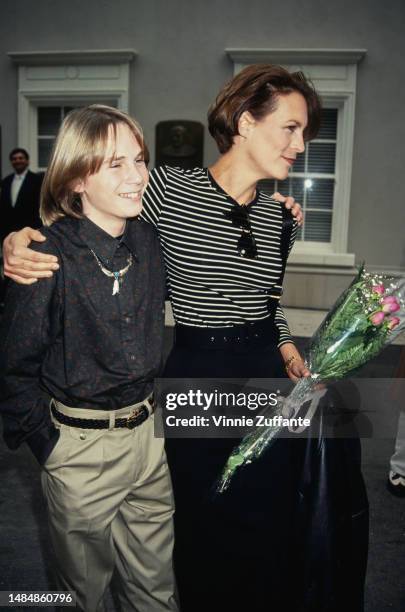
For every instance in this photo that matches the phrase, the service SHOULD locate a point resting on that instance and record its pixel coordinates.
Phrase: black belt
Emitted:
(258, 334)
(136, 418)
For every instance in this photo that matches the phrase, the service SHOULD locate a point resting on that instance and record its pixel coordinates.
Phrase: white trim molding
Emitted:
(67, 78)
(52, 58)
(297, 56)
(334, 74)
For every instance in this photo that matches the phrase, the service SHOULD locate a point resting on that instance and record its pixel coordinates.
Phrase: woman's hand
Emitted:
(22, 264)
(294, 363)
(292, 205)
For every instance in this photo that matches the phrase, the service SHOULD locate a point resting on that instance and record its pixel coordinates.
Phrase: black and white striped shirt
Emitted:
(210, 284)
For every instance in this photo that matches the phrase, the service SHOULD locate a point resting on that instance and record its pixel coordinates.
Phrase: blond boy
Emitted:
(80, 352)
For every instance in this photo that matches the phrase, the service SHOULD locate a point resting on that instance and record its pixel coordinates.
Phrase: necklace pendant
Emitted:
(116, 287)
(118, 275)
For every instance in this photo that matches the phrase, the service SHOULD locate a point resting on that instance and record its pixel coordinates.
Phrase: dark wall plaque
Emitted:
(180, 143)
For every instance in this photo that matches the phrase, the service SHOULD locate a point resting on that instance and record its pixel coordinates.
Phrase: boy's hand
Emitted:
(22, 264)
(290, 203)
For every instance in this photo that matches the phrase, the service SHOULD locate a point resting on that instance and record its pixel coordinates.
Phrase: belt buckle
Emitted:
(132, 418)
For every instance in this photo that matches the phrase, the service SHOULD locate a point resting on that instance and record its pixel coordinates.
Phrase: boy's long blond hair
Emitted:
(78, 152)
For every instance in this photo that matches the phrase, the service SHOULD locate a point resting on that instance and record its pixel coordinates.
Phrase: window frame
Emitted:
(67, 78)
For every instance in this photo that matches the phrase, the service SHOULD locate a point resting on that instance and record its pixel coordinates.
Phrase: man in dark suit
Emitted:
(19, 196)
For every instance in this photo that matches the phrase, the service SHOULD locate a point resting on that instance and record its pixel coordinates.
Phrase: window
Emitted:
(52, 83)
(49, 119)
(321, 178)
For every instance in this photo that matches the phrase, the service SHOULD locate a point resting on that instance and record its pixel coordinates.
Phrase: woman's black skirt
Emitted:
(291, 532)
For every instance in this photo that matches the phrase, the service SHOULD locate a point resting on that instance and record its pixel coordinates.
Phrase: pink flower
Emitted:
(380, 289)
(377, 318)
(393, 322)
(391, 306)
(389, 298)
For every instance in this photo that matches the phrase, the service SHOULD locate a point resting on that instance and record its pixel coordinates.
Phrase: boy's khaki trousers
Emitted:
(110, 504)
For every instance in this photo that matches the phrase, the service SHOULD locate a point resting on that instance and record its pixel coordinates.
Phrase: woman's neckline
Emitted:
(218, 187)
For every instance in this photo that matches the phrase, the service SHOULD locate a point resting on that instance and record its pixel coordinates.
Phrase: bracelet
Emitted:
(289, 362)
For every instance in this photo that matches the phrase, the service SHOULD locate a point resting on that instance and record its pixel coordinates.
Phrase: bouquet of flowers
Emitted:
(369, 314)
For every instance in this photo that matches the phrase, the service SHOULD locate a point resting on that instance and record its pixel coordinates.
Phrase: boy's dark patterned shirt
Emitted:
(69, 338)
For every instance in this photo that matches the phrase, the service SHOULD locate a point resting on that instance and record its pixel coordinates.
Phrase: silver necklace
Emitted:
(118, 276)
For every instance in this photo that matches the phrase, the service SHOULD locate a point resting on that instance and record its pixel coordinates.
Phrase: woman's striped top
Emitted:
(210, 284)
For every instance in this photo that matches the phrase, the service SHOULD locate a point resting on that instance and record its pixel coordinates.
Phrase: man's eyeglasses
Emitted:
(240, 218)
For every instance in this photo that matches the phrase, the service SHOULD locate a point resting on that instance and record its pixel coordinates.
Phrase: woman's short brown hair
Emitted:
(78, 152)
(256, 89)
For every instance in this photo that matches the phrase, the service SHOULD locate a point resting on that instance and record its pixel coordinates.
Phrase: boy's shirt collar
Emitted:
(104, 245)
